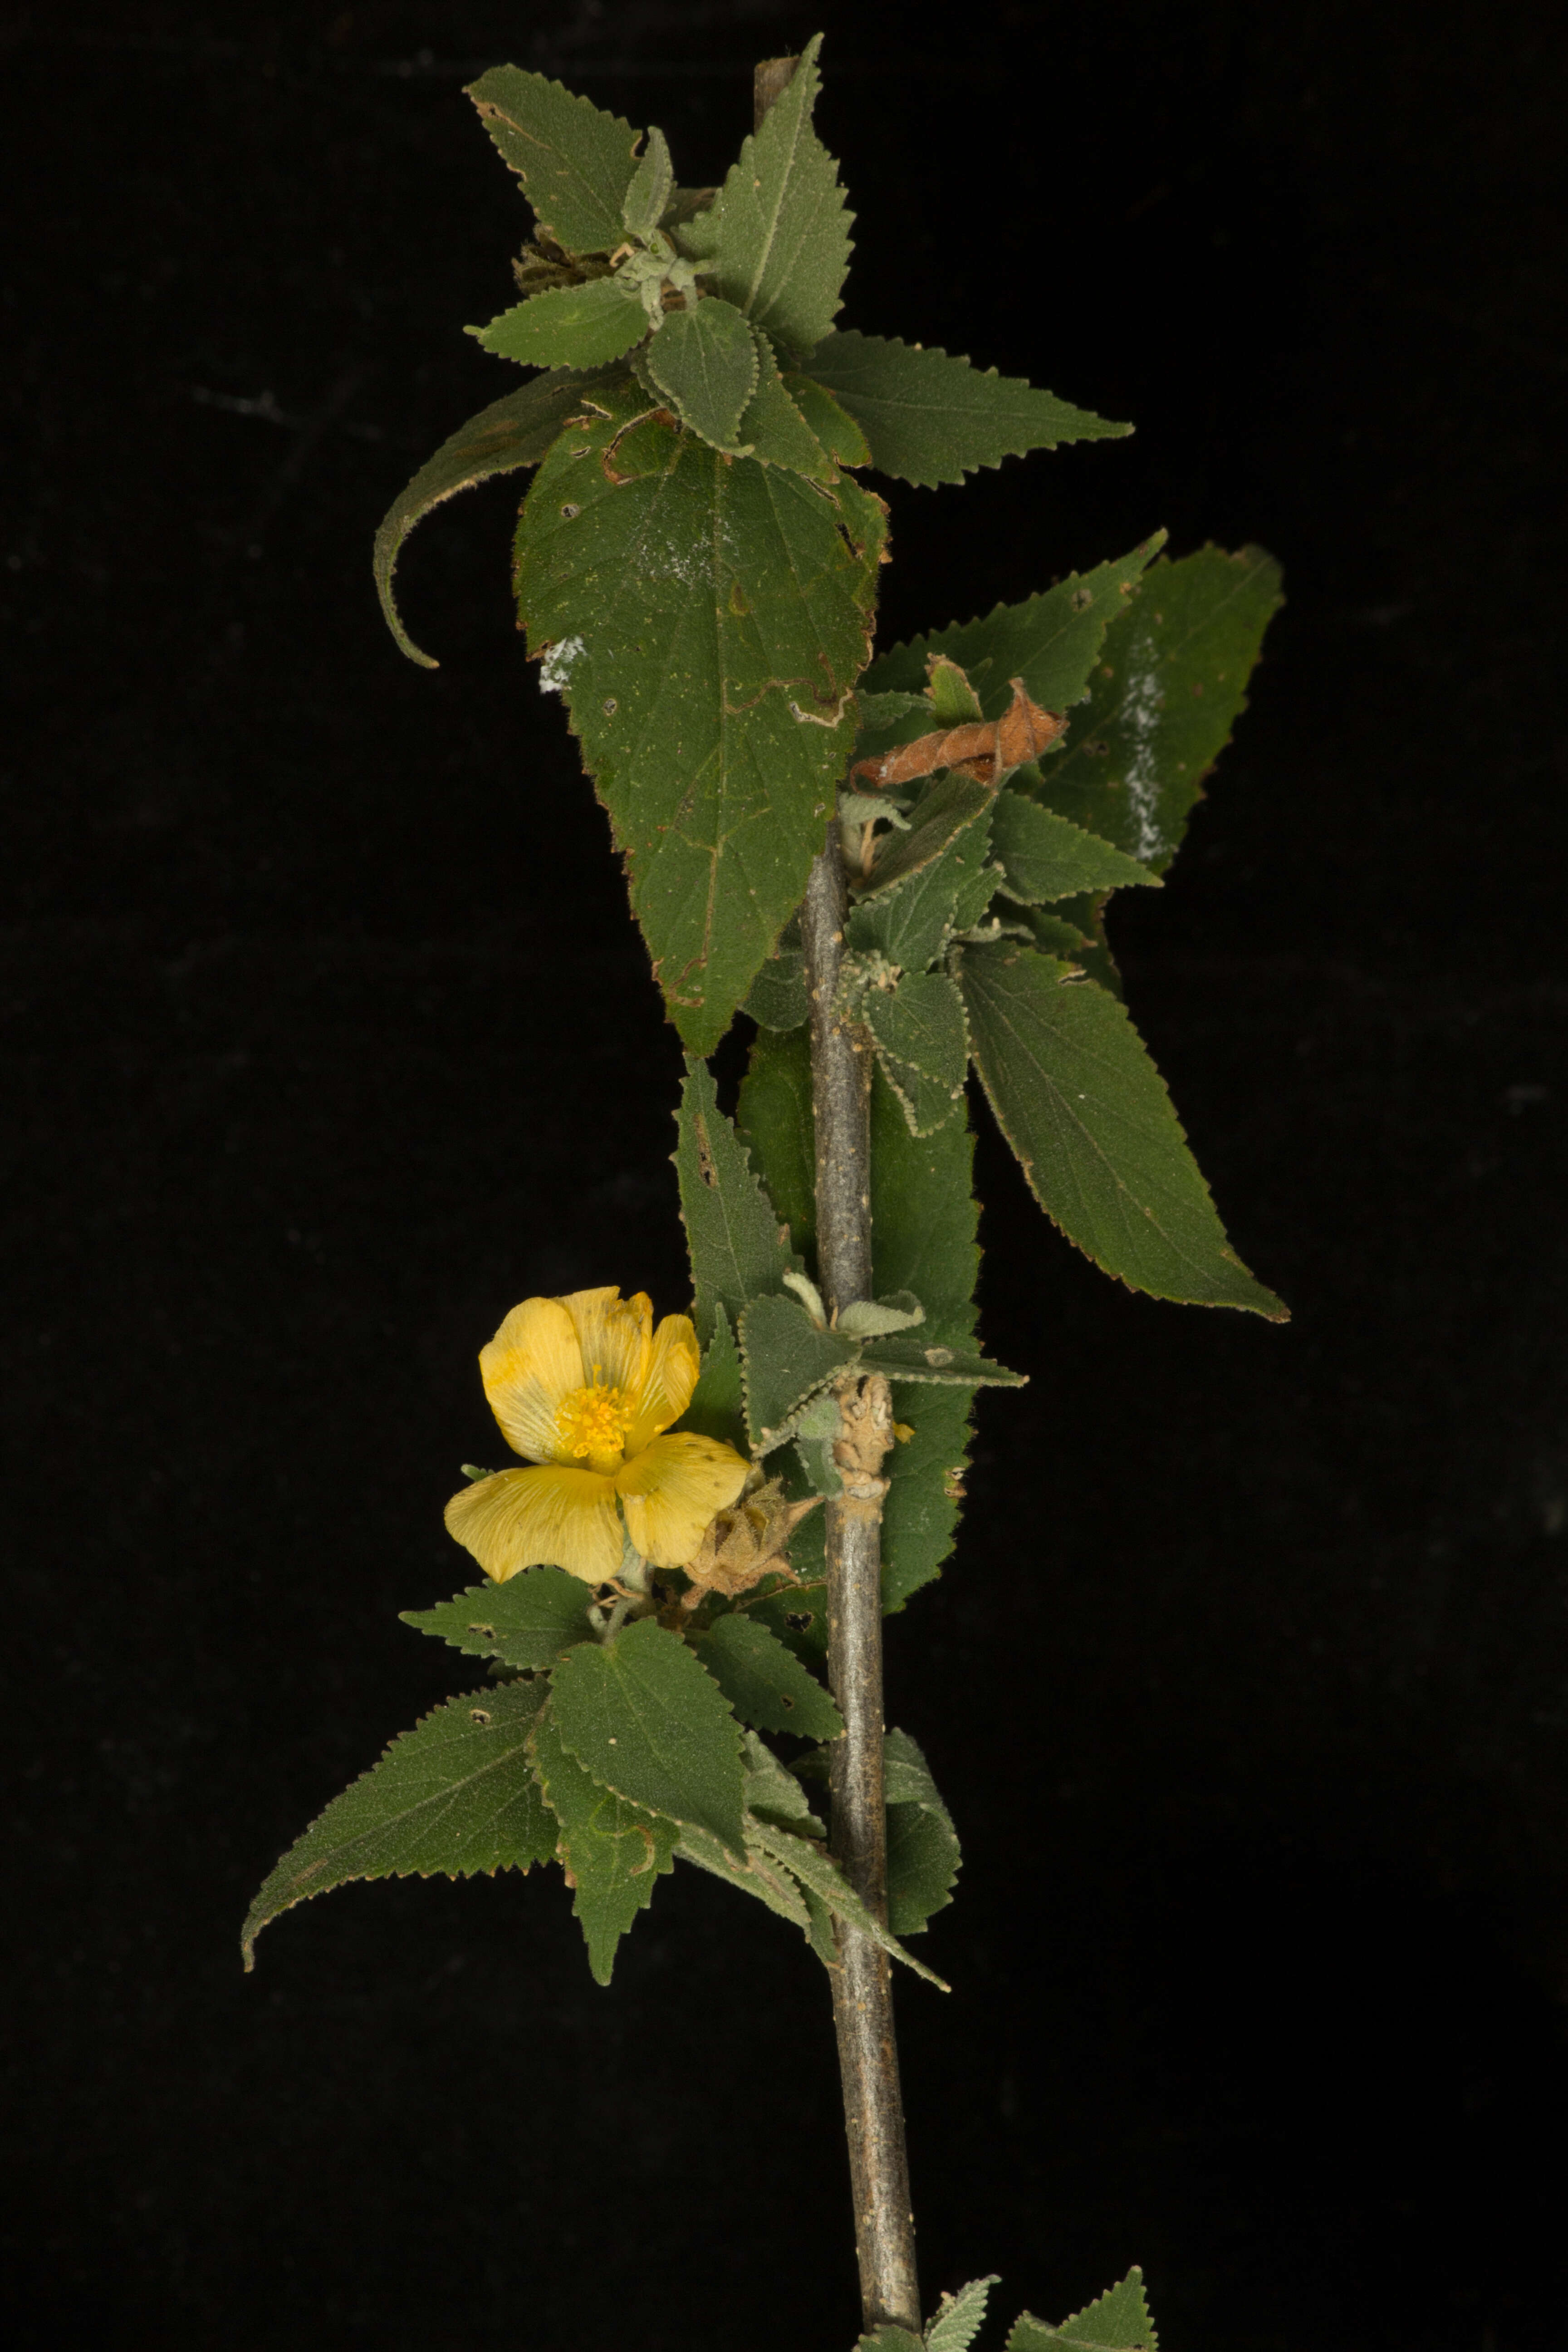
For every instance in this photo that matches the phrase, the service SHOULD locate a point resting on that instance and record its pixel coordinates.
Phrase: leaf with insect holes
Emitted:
(1117, 2321)
(643, 1716)
(1051, 641)
(706, 621)
(764, 1682)
(1082, 1105)
(527, 1622)
(960, 2317)
(928, 418)
(453, 1796)
(776, 243)
(738, 1251)
(787, 1359)
(704, 361)
(511, 433)
(1045, 857)
(613, 1853)
(575, 160)
(570, 327)
(1168, 688)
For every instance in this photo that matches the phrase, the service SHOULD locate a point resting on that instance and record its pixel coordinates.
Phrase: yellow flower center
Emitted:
(592, 1423)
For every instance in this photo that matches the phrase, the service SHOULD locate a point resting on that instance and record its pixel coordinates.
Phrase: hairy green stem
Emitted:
(862, 1986)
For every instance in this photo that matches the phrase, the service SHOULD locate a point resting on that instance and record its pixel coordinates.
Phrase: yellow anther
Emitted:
(592, 1422)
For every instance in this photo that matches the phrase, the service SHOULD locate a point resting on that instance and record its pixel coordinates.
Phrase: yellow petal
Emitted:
(671, 1491)
(668, 1383)
(530, 1364)
(523, 1518)
(612, 1333)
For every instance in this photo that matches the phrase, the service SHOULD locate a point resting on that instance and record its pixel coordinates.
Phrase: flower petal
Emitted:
(667, 1382)
(530, 1364)
(671, 1491)
(522, 1518)
(612, 1333)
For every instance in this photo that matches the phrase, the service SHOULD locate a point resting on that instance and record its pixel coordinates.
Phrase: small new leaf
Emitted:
(455, 1795)
(575, 161)
(528, 1622)
(738, 1251)
(512, 432)
(704, 361)
(960, 2317)
(786, 1360)
(776, 243)
(613, 1852)
(1117, 2321)
(1087, 1112)
(928, 418)
(570, 327)
(923, 1044)
(643, 1718)
(649, 190)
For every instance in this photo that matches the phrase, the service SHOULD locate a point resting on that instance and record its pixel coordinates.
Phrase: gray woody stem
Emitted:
(862, 1987)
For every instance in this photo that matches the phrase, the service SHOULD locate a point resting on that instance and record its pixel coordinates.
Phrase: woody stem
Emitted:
(862, 1987)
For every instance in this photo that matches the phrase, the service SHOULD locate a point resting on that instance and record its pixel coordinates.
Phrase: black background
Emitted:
(329, 1039)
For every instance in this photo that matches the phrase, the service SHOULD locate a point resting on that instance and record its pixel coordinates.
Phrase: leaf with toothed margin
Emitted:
(889, 2339)
(786, 1360)
(1082, 1105)
(575, 161)
(706, 620)
(1044, 857)
(613, 1852)
(832, 425)
(764, 1682)
(923, 1854)
(929, 418)
(960, 2316)
(757, 1876)
(570, 327)
(738, 1250)
(717, 1407)
(922, 1045)
(643, 1716)
(455, 1796)
(775, 429)
(650, 188)
(527, 1622)
(814, 1868)
(954, 804)
(915, 1359)
(774, 1117)
(1168, 688)
(704, 361)
(777, 242)
(1051, 641)
(512, 432)
(1117, 2321)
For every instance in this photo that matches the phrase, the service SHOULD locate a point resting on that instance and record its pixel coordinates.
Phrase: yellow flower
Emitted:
(586, 1388)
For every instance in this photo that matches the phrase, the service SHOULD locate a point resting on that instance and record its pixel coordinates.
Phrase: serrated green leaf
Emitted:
(913, 1359)
(575, 161)
(889, 2339)
(511, 433)
(772, 1792)
(738, 1248)
(649, 189)
(764, 1682)
(570, 327)
(776, 243)
(960, 2317)
(704, 361)
(817, 1871)
(527, 1622)
(718, 1407)
(1117, 2321)
(931, 419)
(786, 1360)
(833, 426)
(613, 1853)
(707, 621)
(923, 1044)
(642, 1717)
(774, 429)
(776, 1118)
(1078, 934)
(1087, 1112)
(926, 1490)
(455, 1796)
(923, 1853)
(1046, 856)
(777, 999)
(757, 1876)
(953, 803)
(1162, 700)
(911, 920)
(1051, 641)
